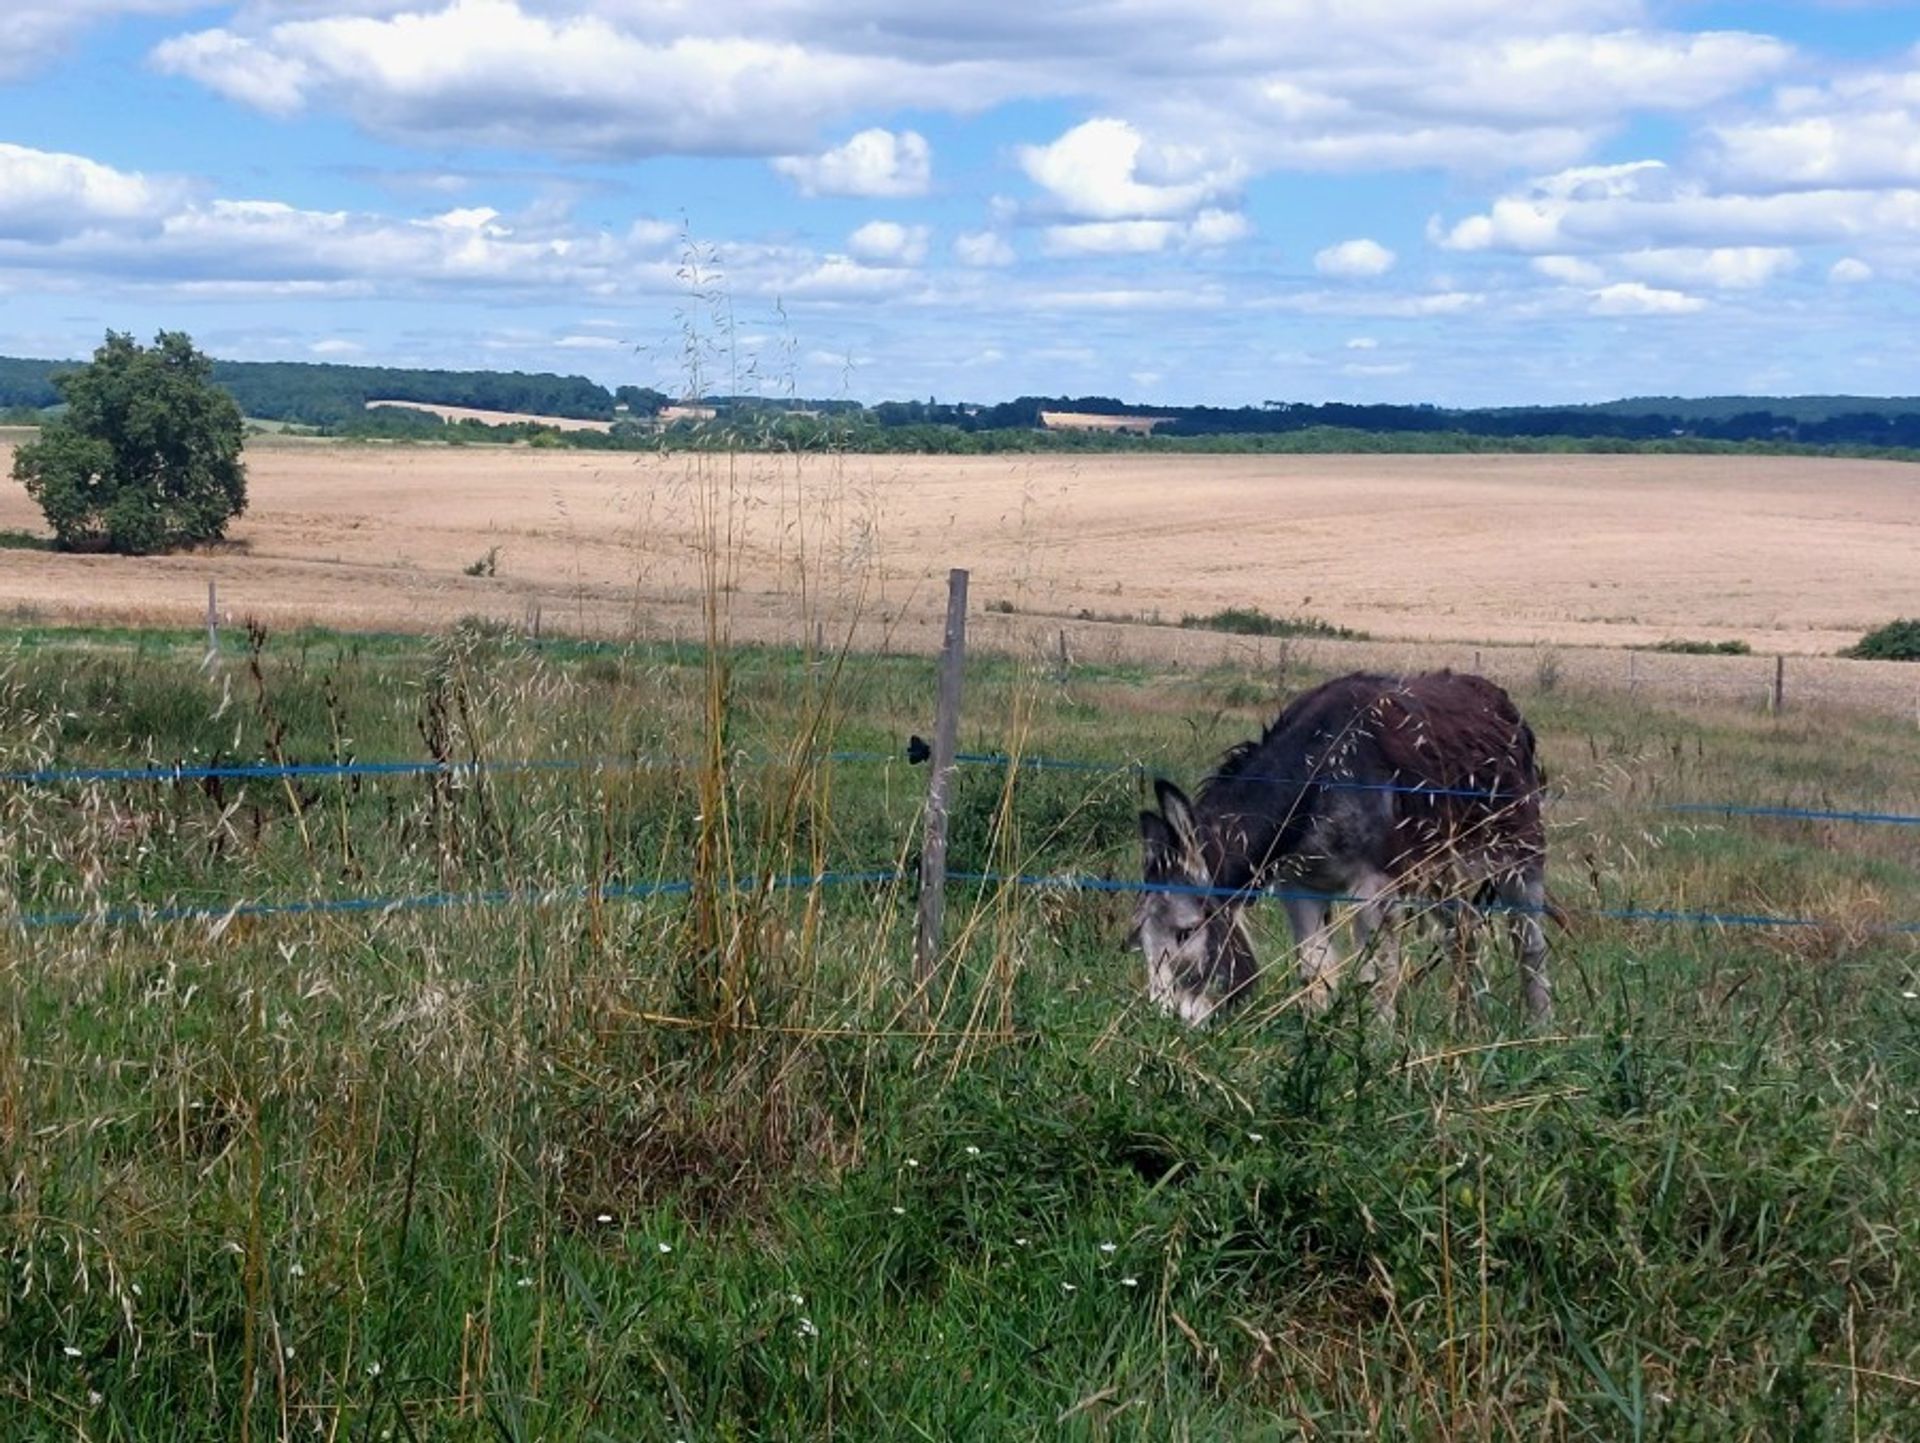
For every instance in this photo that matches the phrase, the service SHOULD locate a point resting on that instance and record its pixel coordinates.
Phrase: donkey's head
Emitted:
(1198, 953)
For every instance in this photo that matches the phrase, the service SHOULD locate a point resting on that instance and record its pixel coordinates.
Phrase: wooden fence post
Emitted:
(946, 731)
(213, 626)
(1777, 694)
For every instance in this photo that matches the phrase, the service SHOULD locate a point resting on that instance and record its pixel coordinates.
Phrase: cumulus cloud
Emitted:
(1206, 231)
(875, 163)
(1646, 206)
(1104, 169)
(889, 243)
(1849, 271)
(1354, 259)
(1570, 270)
(32, 32)
(983, 248)
(1459, 84)
(489, 72)
(1861, 130)
(1721, 267)
(1635, 298)
(46, 194)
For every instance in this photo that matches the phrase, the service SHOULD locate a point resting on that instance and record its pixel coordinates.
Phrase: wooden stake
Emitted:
(213, 624)
(946, 732)
(1777, 697)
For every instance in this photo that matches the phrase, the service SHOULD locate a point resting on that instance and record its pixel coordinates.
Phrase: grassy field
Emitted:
(705, 1166)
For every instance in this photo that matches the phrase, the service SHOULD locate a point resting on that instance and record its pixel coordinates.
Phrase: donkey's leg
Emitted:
(1312, 920)
(1526, 893)
(1378, 942)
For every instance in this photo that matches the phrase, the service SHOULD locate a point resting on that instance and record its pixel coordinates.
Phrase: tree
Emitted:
(146, 457)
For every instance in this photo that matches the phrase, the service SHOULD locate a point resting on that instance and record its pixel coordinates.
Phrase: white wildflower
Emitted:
(899, 1212)
(71, 1351)
(665, 1247)
(1068, 1288)
(1256, 1137)
(972, 1151)
(1129, 1282)
(1108, 1247)
(807, 1329)
(604, 1218)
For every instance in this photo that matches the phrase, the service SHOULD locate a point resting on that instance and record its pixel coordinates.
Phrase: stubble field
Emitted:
(1431, 556)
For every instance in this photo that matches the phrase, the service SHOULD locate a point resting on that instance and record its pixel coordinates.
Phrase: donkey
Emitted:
(1368, 787)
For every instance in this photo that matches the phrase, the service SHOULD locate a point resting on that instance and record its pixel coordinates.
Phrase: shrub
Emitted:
(1705, 648)
(1252, 621)
(146, 457)
(1896, 641)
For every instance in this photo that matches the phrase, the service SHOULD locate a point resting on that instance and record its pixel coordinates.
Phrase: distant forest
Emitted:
(333, 399)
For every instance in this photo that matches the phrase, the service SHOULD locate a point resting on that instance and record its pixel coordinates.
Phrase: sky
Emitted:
(1464, 202)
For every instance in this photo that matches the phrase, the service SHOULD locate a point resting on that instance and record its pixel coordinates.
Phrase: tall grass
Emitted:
(701, 1166)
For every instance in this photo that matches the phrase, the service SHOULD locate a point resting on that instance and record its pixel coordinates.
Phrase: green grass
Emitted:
(1252, 621)
(704, 1168)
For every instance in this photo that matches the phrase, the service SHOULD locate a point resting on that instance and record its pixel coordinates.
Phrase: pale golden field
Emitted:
(1440, 558)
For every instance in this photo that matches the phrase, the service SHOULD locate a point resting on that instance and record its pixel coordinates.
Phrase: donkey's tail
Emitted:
(1558, 915)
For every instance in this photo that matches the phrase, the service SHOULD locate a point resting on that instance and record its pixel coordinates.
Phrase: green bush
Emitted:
(1896, 641)
(146, 457)
(1252, 621)
(1705, 648)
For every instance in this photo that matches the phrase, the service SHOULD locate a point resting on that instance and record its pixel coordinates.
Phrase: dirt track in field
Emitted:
(1439, 558)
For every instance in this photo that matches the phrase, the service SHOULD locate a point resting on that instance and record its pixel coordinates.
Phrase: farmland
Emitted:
(1433, 556)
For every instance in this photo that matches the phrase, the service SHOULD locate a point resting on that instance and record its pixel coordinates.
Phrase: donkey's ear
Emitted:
(1178, 811)
(1158, 842)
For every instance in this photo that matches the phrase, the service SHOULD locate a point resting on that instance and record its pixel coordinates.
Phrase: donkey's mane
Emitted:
(1240, 760)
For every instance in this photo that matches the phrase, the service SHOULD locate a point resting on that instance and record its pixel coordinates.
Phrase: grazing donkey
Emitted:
(1368, 787)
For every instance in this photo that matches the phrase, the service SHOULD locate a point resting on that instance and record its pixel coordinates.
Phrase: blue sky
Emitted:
(1457, 201)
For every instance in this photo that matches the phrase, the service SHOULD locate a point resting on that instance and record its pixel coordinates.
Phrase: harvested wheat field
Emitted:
(1438, 558)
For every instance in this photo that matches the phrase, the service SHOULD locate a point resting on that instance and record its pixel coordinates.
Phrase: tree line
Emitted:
(333, 397)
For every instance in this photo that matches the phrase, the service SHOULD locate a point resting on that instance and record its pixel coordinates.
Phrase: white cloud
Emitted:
(47, 194)
(887, 242)
(1861, 130)
(33, 31)
(1722, 267)
(492, 73)
(1648, 206)
(1849, 271)
(1354, 258)
(1634, 298)
(334, 346)
(1574, 76)
(983, 248)
(1212, 228)
(1362, 343)
(1208, 230)
(1370, 303)
(876, 163)
(843, 278)
(1570, 270)
(1110, 237)
(1104, 169)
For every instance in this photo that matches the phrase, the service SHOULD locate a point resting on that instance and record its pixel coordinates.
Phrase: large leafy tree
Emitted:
(146, 457)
